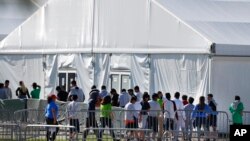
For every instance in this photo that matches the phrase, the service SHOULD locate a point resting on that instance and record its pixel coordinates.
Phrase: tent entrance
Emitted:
(65, 77)
(120, 80)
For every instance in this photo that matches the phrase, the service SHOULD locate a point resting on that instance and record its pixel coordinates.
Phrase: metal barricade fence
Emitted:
(149, 125)
(32, 124)
(101, 125)
(8, 127)
(246, 117)
(201, 125)
(92, 125)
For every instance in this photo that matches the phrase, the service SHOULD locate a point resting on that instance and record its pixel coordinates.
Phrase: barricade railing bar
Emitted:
(33, 132)
(8, 128)
(246, 117)
(90, 121)
(201, 125)
(30, 124)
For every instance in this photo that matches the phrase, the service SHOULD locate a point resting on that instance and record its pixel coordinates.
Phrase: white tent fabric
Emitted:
(140, 72)
(103, 25)
(39, 3)
(137, 64)
(85, 68)
(102, 70)
(120, 62)
(165, 44)
(187, 74)
(26, 68)
(226, 23)
(51, 73)
(13, 13)
(230, 77)
(111, 26)
(97, 70)
(79, 62)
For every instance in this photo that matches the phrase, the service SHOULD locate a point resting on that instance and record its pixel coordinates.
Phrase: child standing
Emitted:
(73, 109)
(131, 122)
(51, 114)
(106, 116)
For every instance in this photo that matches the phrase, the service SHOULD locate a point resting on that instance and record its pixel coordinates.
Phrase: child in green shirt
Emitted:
(35, 93)
(160, 100)
(106, 116)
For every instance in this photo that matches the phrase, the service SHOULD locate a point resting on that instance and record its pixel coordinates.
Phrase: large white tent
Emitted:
(192, 46)
(13, 13)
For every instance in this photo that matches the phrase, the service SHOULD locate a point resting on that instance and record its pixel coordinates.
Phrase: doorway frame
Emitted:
(119, 73)
(67, 71)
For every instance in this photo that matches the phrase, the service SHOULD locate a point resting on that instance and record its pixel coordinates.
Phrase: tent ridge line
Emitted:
(182, 21)
(89, 52)
(110, 50)
(238, 56)
(28, 19)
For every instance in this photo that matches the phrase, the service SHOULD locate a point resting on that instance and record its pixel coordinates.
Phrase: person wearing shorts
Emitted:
(154, 112)
(131, 121)
(73, 109)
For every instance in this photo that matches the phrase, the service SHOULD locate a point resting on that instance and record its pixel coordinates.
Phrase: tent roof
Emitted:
(224, 22)
(128, 26)
(13, 13)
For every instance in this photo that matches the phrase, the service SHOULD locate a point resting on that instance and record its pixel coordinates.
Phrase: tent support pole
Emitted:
(209, 73)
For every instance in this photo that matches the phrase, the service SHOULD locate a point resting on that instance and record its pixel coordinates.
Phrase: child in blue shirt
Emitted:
(51, 113)
(200, 113)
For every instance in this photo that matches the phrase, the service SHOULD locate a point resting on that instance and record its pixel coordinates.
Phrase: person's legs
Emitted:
(143, 126)
(94, 125)
(53, 136)
(77, 128)
(150, 123)
(211, 122)
(48, 133)
(110, 125)
(205, 128)
(71, 123)
(86, 131)
(190, 129)
(169, 124)
(91, 122)
(154, 126)
(74, 131)
(135, 125)
(172, 124)
(186, 130)
(214, 125)
(183, 126)
(169, 127)
(177, 126)
(102, 120)
(55, 133)
(129, 133)
(137, 133)
(198, 122)
(166, 125)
